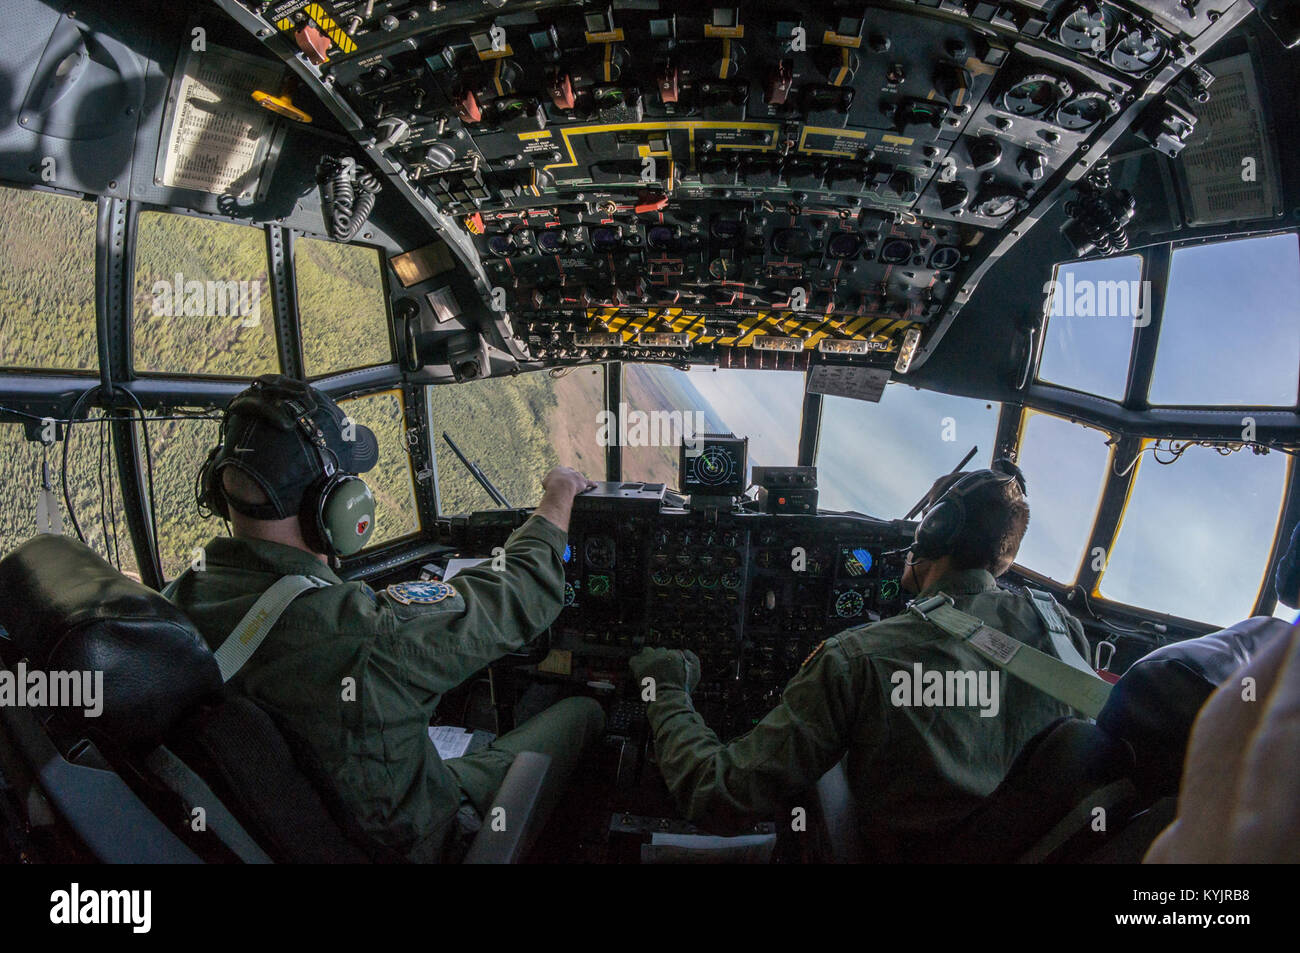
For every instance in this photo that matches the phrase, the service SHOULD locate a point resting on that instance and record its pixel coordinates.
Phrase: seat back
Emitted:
(1154, 705)
(839, 817)
(237, 747)
(69, 611)
(1129, 764)
(66, 609)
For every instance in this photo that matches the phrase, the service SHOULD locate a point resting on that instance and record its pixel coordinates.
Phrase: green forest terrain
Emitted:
(47, 321)
(515, 428)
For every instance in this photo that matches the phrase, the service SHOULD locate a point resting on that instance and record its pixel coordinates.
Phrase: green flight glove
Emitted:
(670, 668)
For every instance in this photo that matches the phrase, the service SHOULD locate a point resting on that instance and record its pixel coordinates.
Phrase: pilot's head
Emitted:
(287, 468)
(972, 520)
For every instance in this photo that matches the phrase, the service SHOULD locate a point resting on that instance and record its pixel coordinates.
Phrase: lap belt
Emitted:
(257, 623)
(1082, 690)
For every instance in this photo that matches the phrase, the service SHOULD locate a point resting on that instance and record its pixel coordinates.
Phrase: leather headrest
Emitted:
(68, 610)
(1154, 704)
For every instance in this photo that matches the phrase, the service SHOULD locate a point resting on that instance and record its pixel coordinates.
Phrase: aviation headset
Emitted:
(944, 521)
(337, 511)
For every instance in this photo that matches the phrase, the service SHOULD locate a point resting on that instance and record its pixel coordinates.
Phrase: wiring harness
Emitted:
(1099, 214)
(347, 195)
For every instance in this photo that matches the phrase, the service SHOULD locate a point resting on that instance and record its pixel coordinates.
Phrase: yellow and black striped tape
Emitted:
(338, 36)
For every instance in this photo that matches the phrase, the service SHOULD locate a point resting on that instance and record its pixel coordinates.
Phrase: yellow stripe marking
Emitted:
(844, 67)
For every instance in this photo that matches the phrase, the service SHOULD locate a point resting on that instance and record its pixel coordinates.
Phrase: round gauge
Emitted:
(598, 584)
(1137, 51)
(551, 241)
(662, 577)
(604, 239)
(708, 580)
(1084, 111)
(663, 237)
(1035, 95)
(731, 579)
(599, 552)
(844, 245)
(570, 594)
(716, 466)
(889, 589)
(722, 268)
(684, 579)
(945, 257)
(501, 245)
(728, 232)
(895, 251)
(790, 241)
(1086, 29)
(849, 604)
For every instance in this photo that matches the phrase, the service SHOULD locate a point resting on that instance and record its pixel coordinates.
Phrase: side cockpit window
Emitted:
(341, 306)
(202, 298)
(47, 284)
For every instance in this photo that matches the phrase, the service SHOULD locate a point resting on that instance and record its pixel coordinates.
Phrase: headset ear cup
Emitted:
(346, 515)
(210, 495)
(939, 528)
(309, 516)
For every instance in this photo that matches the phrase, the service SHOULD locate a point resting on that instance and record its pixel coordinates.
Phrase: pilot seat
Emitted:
(173, 769)
(1083, 792)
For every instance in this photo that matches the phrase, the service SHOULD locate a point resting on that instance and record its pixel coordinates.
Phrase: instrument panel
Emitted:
(752, 595)
(748, 184)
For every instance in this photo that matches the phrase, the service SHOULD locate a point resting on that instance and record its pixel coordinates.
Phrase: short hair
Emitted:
(239, 487)
(997, 516)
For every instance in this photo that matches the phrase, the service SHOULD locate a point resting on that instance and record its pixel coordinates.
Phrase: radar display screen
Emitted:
(714, 465)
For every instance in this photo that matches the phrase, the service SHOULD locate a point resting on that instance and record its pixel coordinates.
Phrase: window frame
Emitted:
(421, 521)
(279, 320)
(612, 394)
(1265, 601)
(292, 237)
(35, 373)
(1144, 272)
(1027, 413)
(1171, 249)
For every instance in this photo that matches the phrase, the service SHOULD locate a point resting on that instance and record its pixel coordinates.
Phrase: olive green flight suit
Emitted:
(353, 677)
(914, 770)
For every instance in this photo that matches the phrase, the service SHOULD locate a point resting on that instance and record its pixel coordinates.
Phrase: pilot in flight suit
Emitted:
(353, 676)
(915, 770)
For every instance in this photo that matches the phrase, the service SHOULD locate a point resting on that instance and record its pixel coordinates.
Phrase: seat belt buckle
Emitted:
(920, 607)
(1103, 668)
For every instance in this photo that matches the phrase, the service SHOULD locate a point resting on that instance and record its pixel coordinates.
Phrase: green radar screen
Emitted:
(718, 469)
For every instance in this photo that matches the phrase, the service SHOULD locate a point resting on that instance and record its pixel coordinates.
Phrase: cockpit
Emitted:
(761, 273)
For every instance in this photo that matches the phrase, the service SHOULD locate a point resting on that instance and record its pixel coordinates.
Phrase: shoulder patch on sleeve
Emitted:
(814, 653)
(419, 593)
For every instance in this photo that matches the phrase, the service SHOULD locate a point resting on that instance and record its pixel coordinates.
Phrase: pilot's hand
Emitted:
(565, 482)
(670, 668)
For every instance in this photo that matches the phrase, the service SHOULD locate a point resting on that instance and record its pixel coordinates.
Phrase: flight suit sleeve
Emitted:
(496, 607)
(780, 758)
